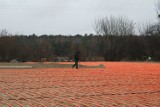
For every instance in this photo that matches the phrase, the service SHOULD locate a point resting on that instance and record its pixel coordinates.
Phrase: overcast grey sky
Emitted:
(68, 16)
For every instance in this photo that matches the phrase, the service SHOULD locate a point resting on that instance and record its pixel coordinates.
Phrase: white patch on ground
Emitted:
(15, 67)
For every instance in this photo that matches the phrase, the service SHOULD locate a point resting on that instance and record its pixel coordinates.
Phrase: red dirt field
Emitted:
(120, 84)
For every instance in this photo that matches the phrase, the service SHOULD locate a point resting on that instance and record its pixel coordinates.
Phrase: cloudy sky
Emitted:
(69, 16)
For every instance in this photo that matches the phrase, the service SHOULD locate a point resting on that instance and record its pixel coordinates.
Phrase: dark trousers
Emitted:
(76, 64)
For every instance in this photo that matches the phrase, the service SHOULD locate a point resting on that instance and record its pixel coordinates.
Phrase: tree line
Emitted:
(91, 47)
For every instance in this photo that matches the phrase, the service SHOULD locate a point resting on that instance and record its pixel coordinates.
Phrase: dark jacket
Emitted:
(76, 57)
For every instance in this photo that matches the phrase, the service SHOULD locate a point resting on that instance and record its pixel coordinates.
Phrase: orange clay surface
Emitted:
(120, 84)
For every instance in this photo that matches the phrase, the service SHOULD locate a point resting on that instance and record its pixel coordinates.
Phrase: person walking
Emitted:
(76, 60)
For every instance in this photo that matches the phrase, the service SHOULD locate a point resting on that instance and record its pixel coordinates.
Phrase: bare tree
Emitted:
(107, 30)
(4, 32)
(120, 26)
(157, 4)
(149, 29)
